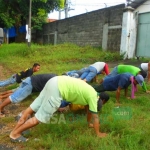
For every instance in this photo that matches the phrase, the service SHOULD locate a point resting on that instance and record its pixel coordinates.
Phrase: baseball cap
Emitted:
(102, 96)
(139, 79)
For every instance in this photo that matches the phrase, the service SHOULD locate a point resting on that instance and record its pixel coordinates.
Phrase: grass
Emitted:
(128, 127)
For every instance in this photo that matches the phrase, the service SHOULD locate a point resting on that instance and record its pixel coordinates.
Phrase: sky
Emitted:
(84, 6)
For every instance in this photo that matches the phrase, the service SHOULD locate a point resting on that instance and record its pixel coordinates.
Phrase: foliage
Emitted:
(13, 12)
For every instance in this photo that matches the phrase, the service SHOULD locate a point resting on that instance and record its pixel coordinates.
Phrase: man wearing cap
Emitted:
(118, 82)
(128, 69)
(57, 89)
(94, 69)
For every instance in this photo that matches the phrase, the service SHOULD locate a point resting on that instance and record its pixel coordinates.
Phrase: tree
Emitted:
(16, 12)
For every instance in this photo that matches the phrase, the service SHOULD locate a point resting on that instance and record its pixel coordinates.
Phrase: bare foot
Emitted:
(14, 136)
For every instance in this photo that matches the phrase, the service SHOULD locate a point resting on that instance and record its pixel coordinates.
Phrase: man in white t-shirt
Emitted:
(91, 71)
(146, 68)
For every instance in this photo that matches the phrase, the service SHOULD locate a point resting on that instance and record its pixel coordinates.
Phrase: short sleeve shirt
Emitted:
(120, 80)
(39, 81)
(128, 69)
(77, 91)
(23, 74)
(144, 66)
(99, 66)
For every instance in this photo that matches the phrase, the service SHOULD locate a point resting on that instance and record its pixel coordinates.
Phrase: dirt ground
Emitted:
(5, 129)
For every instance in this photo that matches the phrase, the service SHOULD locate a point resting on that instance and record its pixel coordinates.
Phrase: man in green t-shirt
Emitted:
(57, 89)
(128, 69)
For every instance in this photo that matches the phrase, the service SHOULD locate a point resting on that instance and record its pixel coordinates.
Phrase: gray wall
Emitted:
(85, 29)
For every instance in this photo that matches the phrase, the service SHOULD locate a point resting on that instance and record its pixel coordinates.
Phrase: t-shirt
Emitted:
(144, 66)
(128, 69)
(99, 66)
(78, 92)
(39, 81)
(23, 74)
(120, 80)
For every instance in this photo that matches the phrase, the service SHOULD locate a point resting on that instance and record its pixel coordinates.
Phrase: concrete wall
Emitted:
(85, 29)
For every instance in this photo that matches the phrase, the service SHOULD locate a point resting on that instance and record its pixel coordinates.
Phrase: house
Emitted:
(51, 20)
(136, 30)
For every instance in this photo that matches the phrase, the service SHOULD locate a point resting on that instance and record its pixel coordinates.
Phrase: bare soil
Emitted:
(8, 123)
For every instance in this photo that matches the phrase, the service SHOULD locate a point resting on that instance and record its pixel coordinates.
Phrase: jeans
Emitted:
(73, 74)
(64, 104)
(22, 92)
(89, 73)
(11, 80)
(113, 73)
(76, 73)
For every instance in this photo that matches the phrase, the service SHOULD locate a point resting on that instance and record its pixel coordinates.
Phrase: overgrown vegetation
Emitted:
(128, 126)
(57, 58)
(16, 12)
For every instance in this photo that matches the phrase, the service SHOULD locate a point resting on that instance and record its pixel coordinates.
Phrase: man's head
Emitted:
(139, 79)
(103, 98)
(143, 73)
(36, 67)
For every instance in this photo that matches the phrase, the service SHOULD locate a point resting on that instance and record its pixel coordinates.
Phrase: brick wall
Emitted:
(85, 29)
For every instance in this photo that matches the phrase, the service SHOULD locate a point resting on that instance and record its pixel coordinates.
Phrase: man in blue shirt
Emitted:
(118, 82)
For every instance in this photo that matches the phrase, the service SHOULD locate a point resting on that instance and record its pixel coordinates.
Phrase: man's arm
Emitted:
(145, 88)
(89, 116)
(118, 95)
(126, 92)
(95, 124)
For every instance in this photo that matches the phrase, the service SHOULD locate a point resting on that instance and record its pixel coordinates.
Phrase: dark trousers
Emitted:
(99, 88)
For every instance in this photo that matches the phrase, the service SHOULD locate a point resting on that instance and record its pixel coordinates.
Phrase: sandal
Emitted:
(26, 132)
(2, 115)
(19, 139)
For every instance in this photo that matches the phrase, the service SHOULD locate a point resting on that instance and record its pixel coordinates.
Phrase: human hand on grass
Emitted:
(129, 98)
(101, 135)
(117, 104)
(91, 125)
(148, 92)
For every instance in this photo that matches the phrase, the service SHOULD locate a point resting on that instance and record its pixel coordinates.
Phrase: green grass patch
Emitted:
(128, 126)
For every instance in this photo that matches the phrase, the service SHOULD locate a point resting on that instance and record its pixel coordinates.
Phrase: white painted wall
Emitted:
(145, 7)
(129, 30)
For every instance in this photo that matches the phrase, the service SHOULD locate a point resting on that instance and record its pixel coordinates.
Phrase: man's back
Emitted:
(39, 81)
(128, 69)
(120, 80)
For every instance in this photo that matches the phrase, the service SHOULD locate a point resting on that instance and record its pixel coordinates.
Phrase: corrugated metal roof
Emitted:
(136, 3)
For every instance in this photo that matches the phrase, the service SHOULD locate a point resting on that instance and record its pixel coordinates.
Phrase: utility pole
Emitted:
(29, 26)
(128, 2)
(66, 9)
